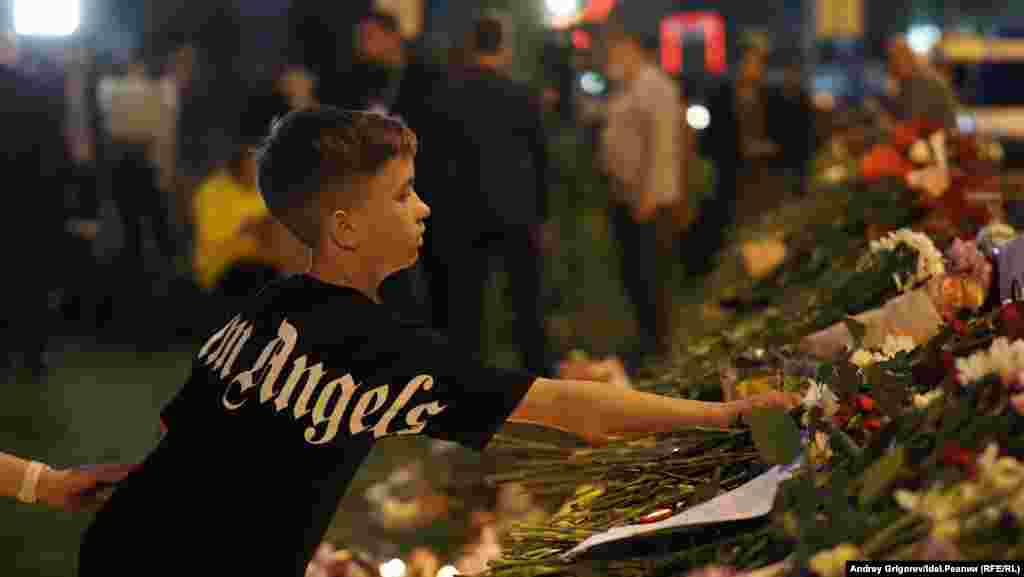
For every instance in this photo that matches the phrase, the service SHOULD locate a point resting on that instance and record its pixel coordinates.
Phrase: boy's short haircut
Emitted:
(320, 159)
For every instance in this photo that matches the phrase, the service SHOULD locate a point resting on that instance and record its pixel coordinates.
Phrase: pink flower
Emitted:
(1017, 401)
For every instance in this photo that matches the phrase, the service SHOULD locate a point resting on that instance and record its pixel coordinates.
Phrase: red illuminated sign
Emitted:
(712, 27)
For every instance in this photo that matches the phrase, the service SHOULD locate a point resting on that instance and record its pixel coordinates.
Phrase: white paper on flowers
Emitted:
(748, 501)
(1011, 266)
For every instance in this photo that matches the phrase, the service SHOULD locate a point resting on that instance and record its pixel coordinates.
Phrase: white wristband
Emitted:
(30, 482)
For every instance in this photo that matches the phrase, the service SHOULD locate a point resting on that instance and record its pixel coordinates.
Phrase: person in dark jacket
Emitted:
(33, 155)
(792, 121)
(497, 204)
(739, 143)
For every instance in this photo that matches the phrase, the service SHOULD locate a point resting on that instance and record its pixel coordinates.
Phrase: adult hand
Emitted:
(80, 488)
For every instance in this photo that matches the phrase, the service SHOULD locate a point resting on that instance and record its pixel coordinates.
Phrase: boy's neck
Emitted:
(347, 274)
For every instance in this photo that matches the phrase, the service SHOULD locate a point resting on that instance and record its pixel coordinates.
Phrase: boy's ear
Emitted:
(342, 230)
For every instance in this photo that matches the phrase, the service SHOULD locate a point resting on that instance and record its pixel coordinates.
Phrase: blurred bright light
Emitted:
(46, 17)
(923, 38)
(448, 571)
(698, 117)
(562, 8)
(592, 83)
(393, 568)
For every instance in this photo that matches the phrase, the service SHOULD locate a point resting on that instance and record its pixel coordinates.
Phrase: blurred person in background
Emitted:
(139, 116)
(497, 203)
(33, 155)
(792, 117)
(642, 151)
(742, 151)
(239, 246)
(920, 92)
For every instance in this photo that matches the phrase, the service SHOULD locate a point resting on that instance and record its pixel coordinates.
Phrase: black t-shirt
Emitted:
(284, 403)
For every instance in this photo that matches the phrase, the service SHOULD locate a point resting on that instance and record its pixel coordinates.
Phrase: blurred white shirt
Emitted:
(642, 144)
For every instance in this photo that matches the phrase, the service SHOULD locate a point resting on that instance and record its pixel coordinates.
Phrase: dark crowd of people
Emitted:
(116, 148)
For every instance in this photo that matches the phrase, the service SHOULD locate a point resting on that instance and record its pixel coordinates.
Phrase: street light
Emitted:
(922, 38)
(698, 117)
(46, 17)
(562, 8)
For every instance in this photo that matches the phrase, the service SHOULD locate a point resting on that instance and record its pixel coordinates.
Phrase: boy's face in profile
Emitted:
(387, 227)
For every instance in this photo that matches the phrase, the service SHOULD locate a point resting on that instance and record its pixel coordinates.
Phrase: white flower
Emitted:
(835, 174)
(909, 500)
(1003, 359)
(863, 358)
(925, 400)
(929, 261)
(897, 344)
(819, 395)
(892, 346)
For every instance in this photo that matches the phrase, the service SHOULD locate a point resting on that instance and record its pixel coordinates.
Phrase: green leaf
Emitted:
(857, 329)
(881, 475)
(776, 435)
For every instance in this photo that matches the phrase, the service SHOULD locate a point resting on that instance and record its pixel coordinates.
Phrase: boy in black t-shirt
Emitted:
(287, 398)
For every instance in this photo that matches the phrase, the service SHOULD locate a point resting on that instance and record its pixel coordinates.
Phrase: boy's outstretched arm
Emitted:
(599, 412)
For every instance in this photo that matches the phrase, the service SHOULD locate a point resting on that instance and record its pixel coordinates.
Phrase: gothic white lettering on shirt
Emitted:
(221, 352)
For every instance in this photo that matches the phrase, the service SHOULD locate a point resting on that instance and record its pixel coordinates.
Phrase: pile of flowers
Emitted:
(930, 262)
(1004, 361)
(967, 282)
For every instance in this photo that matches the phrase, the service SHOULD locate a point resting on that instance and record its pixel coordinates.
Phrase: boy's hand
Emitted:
(769, 400)
(646, 209)
(80, 488)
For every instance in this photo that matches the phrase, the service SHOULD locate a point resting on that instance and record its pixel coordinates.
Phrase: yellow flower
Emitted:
(948, 530)
(974, 294)
(1001, 474)
(1016, 506)
(832, 563)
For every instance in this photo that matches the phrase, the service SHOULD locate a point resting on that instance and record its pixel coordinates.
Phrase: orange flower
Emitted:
(904, 135)
(883, 160)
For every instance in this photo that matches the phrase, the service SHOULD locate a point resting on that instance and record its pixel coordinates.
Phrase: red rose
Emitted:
(958, 326)
(948, 361)
(865, 403)
(872, 424)
(883, 160)
(955, 455)
(1010, 321)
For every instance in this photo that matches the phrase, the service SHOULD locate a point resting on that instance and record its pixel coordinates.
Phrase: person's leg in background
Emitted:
(525, 274)
(638, 250)
(129, 184)
(706, 236)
